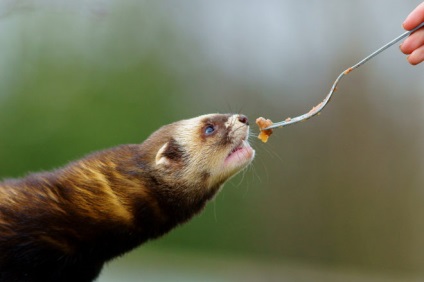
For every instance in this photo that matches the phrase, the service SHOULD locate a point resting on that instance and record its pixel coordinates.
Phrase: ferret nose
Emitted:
(243, 119)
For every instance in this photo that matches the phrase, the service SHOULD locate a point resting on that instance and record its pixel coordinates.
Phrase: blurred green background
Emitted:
(338, 198)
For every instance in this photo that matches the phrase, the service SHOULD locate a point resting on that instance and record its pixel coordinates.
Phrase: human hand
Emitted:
(413, 46)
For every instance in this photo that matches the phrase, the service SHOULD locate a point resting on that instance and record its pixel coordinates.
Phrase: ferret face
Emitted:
(208, 149)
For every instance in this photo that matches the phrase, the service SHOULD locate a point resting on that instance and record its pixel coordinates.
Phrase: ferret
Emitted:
(65, 224)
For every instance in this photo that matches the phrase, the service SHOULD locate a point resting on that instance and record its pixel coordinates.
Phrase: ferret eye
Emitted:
(209, 129)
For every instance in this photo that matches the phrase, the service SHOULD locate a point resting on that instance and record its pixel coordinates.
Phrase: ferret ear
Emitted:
(161, 159)
(170, 152)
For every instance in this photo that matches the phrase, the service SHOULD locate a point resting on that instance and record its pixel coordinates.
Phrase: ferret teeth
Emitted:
(236, 148)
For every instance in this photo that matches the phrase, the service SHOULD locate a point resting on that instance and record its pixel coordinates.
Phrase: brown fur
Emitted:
(63, 225)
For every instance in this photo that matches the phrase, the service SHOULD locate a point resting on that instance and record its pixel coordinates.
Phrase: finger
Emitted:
(417, 56)
(414, 41)
(414, 18)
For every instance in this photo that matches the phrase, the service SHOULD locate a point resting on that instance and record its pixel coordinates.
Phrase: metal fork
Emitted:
(315, 110)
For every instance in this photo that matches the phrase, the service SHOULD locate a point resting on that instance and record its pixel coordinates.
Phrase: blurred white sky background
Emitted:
(270, 39)
(273, 42)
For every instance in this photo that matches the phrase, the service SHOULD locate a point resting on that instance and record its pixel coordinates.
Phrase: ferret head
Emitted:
(204, 151)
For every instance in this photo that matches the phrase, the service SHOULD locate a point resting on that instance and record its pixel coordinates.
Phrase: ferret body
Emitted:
(65, 224)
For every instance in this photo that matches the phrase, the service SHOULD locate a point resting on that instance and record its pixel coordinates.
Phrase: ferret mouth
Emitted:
(241, 153)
